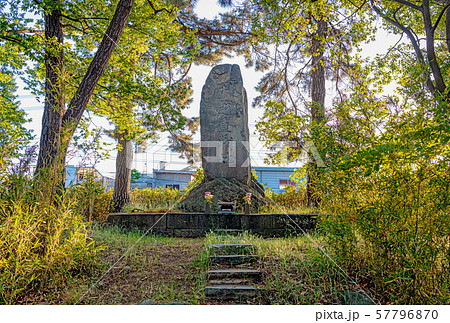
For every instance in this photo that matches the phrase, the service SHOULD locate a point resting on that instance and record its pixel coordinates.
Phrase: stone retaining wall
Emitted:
(190, 225)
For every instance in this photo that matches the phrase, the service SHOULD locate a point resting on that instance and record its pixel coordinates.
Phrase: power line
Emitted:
(27, 96)
(33, 108)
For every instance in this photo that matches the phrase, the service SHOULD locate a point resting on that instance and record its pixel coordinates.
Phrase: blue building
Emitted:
(165, 178)
(276, 178)
(76, 175)
(178, 179)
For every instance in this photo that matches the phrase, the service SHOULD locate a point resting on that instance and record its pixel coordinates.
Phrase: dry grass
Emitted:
(294, 271)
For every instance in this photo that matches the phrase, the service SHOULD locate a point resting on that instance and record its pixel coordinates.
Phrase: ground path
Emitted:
(159, 270)
(163, 269)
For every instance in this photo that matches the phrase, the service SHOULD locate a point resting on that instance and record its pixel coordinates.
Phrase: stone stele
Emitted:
(224, 125)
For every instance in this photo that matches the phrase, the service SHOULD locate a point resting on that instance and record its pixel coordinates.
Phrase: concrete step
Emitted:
(233, 259)
(223, 292)
(230, 281)
(232, 248)
(229, 232)
(233, 274)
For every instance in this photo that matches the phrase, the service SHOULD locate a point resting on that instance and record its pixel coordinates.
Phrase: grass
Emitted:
(166, 270)
(132, 268)
(154, 267)
(294, 271)
(276, 209)
(153, 200)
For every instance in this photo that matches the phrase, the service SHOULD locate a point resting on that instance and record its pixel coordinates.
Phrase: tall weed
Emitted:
(292, 197)
(41, 244)
(157, 199)
(91, 199)
(386, 195)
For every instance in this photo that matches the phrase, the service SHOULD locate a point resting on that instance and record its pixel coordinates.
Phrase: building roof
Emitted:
(184, 171)
(89, 167)
(189, 168)
(275, 169)
(173, 171)
(84, 167)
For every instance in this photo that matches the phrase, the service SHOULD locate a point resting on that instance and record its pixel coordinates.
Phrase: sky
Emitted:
(156, 152)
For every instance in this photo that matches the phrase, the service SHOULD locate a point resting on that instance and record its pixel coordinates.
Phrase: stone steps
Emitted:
(233, 276)
(233, 248)
(227, 292)
(232, 260)
(233, 273)
(232, 283)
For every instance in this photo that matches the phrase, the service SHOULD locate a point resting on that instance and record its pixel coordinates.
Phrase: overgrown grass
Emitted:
(153, 200)
(291, 200)
(42, 245)
(393, 232)
(174, 270)
(94, 202)
(294, 271)
(294, 209)
(91, 199)
(140, 267)
(133, 267)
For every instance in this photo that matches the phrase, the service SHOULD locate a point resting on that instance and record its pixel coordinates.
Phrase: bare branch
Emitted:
(156, 11)
(358, 8)
(440, 17)
(288, 90)
(184, 75)
(412, 39)
(83, 31)
(393, 47)
(25, 31)
(409, 4)
(83, 18)
(11, 39)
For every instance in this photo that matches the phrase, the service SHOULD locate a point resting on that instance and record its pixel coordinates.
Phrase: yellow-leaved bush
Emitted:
(41, 244)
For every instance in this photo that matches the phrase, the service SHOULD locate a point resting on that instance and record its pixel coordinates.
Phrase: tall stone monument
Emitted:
(224, 125)
(224, 143)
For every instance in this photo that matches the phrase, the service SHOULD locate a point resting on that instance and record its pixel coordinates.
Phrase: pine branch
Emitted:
(158, 10)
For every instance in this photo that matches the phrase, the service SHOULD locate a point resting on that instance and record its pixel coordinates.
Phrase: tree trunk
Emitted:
(121, 195)
(318, 100)
(447, 26)
(318, 72)
(53, 151)
(431, 52)
(54, 101)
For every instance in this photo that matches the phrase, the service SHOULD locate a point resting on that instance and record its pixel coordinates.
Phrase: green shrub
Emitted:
(91, 199)
(392, 230)
(290, 197)
(198, 178)
(386, 195)
(41, 245)
(291, 200)
(152, 200)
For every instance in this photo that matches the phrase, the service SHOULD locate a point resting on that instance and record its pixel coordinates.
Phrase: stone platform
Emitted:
(191, 225)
